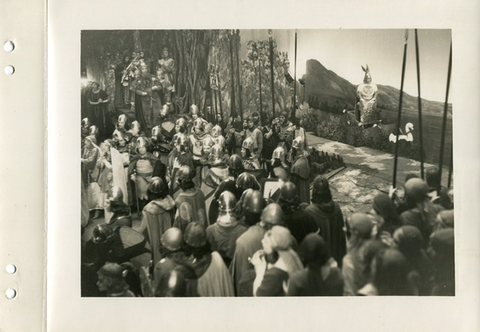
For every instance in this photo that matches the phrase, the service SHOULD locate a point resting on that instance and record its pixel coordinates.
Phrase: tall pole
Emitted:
(400, 110)
(295, 81)
(270, 39)
(444, 125)
(237, 41)
(417, 51)
(259, 80)
(219, 95)
(233, 112)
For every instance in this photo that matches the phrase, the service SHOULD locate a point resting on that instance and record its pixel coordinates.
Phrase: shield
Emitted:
(119, 176)
(134, 247)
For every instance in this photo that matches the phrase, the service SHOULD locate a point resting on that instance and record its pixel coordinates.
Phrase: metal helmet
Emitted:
(180, 139)
(93, 130)
(226, 202)
(247, 180)
(156, 131)
(102, 233)
(122, 119)
(254, 203)
(279, 153)
(217, 151)
(185, 173)
(181, 125)
(157, 185)
(172, 239)
(194, 110)
(199, 124)
(272, 215)
(115, 194)
(136, 125)
(235, 162)
(216, 131)
(297, 143)
(141, 142)
(208, 128)
(208, 144)
(288, 192)
(248, 144)
(164, 110)
(85, 123)
(118, 135)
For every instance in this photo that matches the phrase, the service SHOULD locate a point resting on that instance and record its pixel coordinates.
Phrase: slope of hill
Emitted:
(323, 85)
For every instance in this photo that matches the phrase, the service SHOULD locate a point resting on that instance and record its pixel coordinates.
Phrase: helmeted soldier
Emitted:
(85, 128)
(280, 169)
(157, 215)
(190, 201)
(299, 221)
(223, 234)
(180, 156)
(300, 171)
(286, 131)
(143, 166)
(217, 136)
(250, 161)
(255, 133)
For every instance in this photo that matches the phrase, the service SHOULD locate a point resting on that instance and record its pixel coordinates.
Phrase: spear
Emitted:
(400, 110)
(270, 39)
(419, 104)
(232, 100)
(238, 75)
(444, 125)
(295, 80)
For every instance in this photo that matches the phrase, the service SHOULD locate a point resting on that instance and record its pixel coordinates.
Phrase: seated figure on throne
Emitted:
(366, 101)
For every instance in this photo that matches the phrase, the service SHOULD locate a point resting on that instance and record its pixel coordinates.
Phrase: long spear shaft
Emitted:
(444, 124)
(400, 110)
(232, 100)
(295, 81)
(419, 104)
(238, 75)
(271, 76)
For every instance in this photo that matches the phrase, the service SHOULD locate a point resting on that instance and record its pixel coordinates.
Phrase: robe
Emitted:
(299, 175)
(157, 217)
(190, 207)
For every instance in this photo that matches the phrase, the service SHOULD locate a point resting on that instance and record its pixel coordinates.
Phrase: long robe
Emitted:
(190, 207)
(216, 281)
(246, 245)
(329, 218)
(222, 237)
(299, 175)
(147, 107)
(157, 217)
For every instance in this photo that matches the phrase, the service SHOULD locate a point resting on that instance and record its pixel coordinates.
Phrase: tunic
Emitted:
(299, 175)
(157, 217)
(216, 281)
(246, 245)
(190, 207)
(223, 236)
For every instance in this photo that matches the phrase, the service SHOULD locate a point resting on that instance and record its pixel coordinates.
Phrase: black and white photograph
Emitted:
(266, 162)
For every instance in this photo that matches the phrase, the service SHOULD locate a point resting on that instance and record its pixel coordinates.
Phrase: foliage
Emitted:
(256, 66)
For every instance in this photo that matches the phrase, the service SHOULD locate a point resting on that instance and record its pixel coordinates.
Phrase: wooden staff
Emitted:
(238, 75)
(417, 51)
(295, 81)
(400, 110)
(233, 112)
(444, 125)
(450, 170)
(219, 96)
(270, 39)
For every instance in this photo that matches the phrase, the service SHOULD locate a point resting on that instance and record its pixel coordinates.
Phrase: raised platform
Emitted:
(368, 172)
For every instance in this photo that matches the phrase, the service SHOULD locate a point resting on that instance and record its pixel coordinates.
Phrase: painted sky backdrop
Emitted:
(344, 51)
